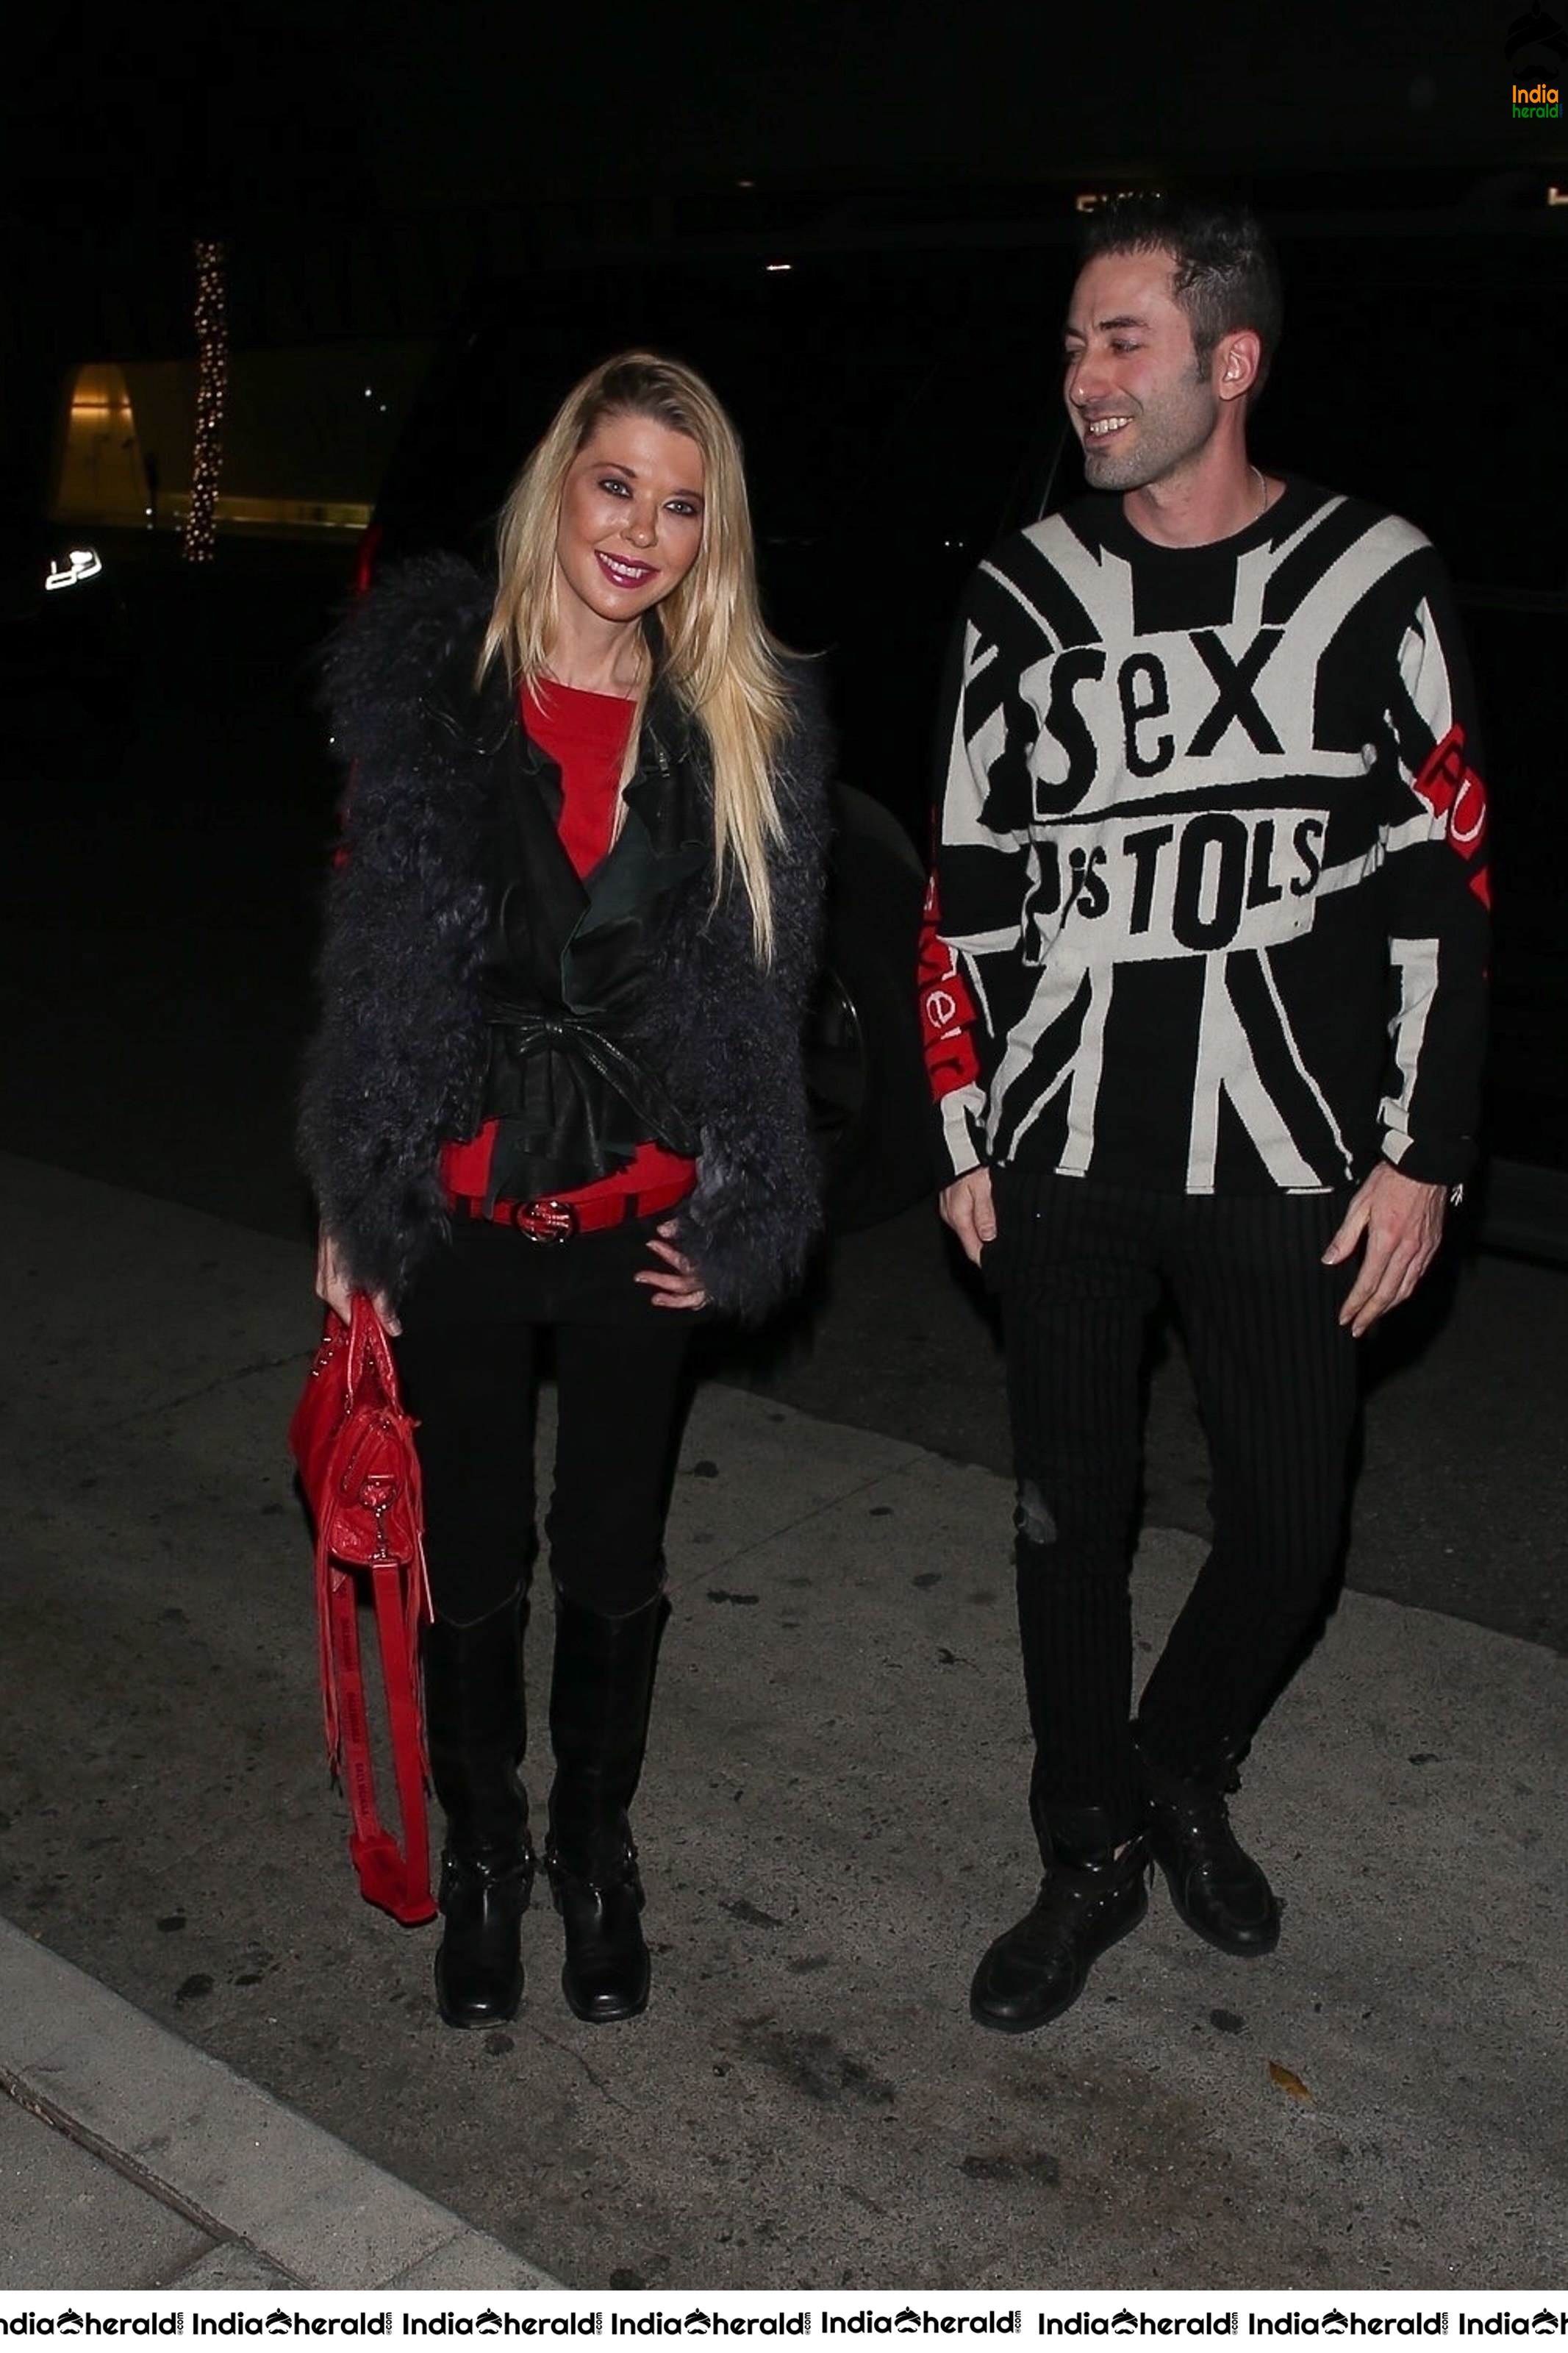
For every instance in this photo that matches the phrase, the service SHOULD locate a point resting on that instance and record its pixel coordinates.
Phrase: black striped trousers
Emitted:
(1078, 1266)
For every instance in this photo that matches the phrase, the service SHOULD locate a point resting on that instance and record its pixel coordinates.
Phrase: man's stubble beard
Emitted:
(1164, 443)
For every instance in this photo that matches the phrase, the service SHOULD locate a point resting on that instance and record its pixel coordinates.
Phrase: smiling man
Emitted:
(1203, 992)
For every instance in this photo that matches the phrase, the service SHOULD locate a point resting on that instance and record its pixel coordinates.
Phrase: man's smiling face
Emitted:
(1142, 404)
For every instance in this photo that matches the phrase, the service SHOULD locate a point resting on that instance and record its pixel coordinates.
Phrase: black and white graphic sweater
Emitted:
(1209, 905)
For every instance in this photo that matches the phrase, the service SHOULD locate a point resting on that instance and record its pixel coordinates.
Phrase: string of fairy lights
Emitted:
(212, 388)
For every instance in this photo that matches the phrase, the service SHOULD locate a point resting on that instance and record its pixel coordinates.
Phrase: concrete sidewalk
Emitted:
(129, 2159)
(832, 1825)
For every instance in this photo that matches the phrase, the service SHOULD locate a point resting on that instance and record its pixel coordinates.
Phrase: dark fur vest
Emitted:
(391, 1074)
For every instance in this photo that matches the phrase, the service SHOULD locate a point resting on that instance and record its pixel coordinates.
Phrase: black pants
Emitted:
(1078, 1267)
(468, 1361)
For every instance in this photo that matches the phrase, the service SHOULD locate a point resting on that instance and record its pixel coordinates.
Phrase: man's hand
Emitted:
(336, 1292)
(1401, 1221)
(966, 1206)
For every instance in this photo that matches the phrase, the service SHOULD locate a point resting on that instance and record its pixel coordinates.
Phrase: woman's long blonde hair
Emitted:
(718, 656)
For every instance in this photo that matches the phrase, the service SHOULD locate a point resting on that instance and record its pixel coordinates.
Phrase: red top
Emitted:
(585, 735)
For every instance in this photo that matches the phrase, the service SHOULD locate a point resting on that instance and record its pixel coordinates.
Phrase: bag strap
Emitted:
(369, 1346)
(396, 1879)
(397, 1631)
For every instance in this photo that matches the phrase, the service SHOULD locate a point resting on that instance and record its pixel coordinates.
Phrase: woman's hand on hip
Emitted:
(334, 1289)
(675, 1284)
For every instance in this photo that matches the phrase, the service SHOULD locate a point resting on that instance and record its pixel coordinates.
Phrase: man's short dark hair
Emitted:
(1224, 276)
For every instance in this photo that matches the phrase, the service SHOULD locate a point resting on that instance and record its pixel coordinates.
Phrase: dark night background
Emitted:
(127, 129)
(363, 163)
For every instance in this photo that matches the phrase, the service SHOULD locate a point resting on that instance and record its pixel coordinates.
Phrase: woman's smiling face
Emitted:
(631, 520)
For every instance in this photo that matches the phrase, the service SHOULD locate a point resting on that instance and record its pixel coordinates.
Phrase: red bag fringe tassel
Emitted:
(354, 1447)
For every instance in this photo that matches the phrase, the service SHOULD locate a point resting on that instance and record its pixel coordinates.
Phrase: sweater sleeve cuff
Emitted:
(1431, 1161)
(958, 1150)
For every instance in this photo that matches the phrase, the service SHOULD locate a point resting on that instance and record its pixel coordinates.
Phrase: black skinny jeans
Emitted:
(1078, 1267)
(467, 1363)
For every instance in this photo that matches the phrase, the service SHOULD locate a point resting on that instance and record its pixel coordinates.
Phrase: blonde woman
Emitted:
(557, 1084)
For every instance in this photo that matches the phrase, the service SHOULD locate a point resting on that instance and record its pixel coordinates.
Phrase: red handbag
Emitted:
(354, 1447)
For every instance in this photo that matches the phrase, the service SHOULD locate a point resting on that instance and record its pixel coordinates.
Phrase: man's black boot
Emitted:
(1215, 1886)
(600, 1693)
(477, 1726)
(1038, 1968)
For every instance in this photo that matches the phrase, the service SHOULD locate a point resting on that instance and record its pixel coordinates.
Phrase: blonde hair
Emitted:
(718, 656)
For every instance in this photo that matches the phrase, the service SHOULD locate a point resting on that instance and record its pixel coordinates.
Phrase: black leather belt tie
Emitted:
(572, 1100)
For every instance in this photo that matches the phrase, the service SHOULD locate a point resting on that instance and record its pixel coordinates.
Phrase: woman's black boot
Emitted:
(599, 1697)
(477, 1726)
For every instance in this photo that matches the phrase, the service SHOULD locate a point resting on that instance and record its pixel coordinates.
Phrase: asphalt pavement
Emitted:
(224, 2069)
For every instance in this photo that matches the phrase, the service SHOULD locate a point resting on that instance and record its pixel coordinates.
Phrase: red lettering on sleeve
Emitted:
(947, 1009)
(1452, 790)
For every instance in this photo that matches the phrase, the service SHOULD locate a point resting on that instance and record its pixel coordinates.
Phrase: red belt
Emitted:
(551, 1220)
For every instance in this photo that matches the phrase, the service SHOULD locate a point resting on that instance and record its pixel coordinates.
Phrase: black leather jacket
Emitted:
(566, 971)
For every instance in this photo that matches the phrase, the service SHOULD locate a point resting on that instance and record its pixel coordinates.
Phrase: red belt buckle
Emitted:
(546, 1221)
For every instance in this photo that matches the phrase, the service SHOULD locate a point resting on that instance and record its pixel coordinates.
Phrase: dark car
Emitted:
(898, 390)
